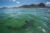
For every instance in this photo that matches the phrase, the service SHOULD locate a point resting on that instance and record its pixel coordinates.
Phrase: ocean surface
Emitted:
(18, 11)
(43, 13)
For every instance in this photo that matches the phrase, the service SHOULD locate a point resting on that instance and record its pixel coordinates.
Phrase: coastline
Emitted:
(33, 7)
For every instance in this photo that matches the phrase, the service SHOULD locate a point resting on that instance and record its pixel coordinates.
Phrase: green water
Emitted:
(23, 20)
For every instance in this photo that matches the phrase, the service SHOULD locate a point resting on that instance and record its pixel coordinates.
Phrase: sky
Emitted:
(21, 2)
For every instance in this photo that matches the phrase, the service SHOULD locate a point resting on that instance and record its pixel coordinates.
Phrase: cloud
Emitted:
(13, 0)
(17, 2)
(47, 2)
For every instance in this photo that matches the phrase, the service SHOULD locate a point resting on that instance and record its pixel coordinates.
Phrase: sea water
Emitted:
(14, 12)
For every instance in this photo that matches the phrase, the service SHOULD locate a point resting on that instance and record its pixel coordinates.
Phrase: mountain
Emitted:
(41, 5)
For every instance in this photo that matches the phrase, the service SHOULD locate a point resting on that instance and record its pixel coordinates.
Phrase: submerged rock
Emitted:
(28, 24)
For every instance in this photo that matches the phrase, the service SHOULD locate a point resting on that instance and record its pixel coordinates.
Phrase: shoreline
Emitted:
(24, 7)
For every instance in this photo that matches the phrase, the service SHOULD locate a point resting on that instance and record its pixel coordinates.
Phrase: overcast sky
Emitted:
(20, 2)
